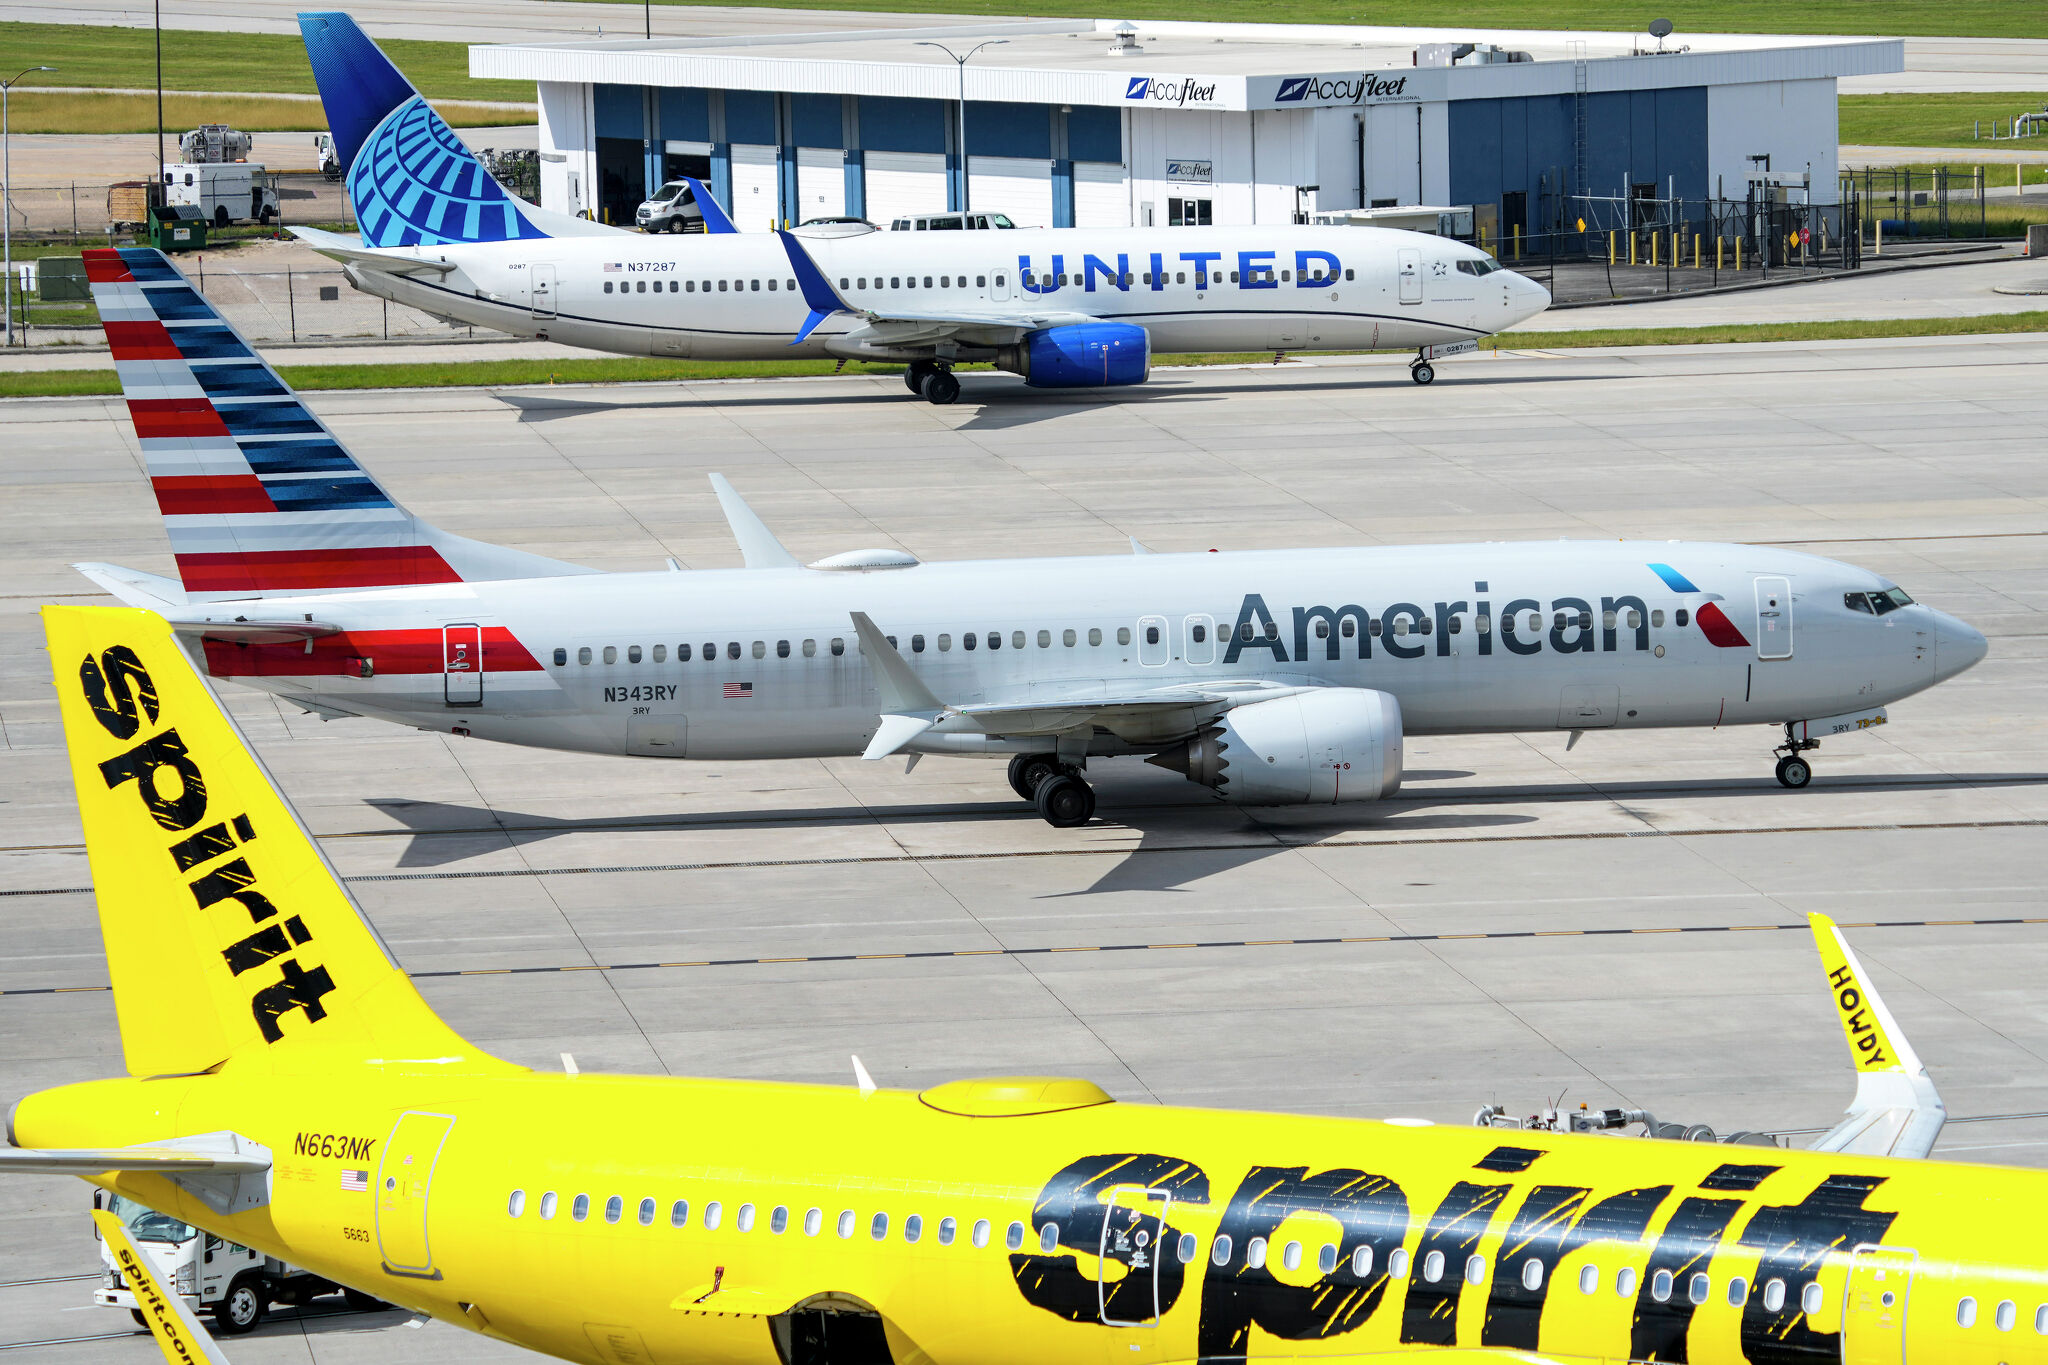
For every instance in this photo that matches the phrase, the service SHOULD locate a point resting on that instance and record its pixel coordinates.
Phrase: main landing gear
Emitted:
(1794, 771)
(1063, 797)
(932, 382)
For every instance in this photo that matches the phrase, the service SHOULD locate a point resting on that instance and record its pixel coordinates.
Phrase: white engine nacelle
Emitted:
(1339, 744)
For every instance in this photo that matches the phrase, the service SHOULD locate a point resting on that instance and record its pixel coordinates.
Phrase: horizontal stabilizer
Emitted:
(759, 548)
(134, 588)
(166, 1161)
(1896, 1111)
(349, 249)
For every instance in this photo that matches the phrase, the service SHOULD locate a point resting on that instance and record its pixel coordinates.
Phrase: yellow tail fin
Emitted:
(228, 935)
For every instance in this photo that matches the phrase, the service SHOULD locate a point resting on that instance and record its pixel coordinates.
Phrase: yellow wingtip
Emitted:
(1856, 1008)
(177, 1333)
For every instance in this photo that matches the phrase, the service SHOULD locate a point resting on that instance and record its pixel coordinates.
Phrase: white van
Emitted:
(951, 222)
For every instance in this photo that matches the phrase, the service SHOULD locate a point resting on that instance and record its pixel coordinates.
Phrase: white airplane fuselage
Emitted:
(764, 663)
(733, 296)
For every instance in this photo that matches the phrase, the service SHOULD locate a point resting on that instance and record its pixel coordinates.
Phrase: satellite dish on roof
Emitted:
(1660, 28)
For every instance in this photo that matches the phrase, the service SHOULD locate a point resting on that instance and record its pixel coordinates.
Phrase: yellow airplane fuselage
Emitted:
(1572, 1246)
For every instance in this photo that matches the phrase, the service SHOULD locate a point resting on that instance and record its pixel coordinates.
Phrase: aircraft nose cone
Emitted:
(1531, 298)
(1957, 646)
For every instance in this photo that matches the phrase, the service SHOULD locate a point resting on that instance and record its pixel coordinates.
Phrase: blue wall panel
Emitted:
(1607, 125)
(817, 121)
(890, 124)
(1643, 137)
(750, 117)
(999, 129)
(1682, 139)
(1475, 150)
(1095, 133)
(685, 115)
(620, 110)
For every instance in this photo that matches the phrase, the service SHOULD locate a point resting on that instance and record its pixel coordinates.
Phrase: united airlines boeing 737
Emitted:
(1269, 677)
(1064, 308)
(308, 1103)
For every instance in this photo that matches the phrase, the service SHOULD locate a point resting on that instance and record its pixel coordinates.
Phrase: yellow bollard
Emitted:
(1720, 252)
(1738, 253)
(1695, 251)
(1653, 247)
(1518, 241)
(1631, 248)
(1610, 248)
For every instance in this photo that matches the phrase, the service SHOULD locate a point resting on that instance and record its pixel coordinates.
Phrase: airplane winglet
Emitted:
(902, 691)
(1896, 1111)
(178, 1334)
(896, 731)
(759, 549)
(862, 1079)
(715, 217)
(818, 292)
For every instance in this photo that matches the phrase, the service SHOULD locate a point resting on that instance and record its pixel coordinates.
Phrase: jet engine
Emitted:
(1082, 355)
(1337, 744)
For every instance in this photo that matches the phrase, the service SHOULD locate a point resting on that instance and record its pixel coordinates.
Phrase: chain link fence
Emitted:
(90, 212)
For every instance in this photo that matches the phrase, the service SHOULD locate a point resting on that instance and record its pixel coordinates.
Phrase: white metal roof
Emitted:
(1191, 65)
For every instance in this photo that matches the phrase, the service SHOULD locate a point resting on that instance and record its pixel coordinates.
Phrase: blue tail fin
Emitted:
(413, 181)
(715, 217)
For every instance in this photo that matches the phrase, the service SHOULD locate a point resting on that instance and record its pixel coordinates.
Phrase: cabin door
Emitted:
(1201, 639)
(1411, 275)
(543, 277)
(1153, 646)
(999, 283)
(1127, 1273)
(462, 664)
(405, 1174)
(1874, 1310)
(1773, 618)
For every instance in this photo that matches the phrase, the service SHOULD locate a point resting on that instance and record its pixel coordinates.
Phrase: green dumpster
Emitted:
(176, 227)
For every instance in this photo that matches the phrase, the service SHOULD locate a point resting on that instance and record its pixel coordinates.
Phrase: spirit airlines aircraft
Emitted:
(289, 1090)
(1065, 308)
(1271, 678)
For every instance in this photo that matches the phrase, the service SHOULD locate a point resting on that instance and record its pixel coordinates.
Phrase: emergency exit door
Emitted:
(1874, 1311)
(405, 1175)
(543, 279)
(462, 664)
(1773, 618)
(1411, 275)
(1127, 1273)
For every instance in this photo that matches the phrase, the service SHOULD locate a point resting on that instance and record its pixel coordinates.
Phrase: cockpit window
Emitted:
(1856, 601)
(1483, 265)
(1891, 599)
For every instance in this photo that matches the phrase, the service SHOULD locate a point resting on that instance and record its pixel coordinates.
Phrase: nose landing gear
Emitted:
(1794, 771)
(1420, 371)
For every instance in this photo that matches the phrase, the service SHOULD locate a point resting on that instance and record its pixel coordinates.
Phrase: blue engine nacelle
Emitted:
(1082, 355)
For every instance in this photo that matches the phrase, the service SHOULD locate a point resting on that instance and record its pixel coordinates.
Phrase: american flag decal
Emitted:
(613, 267)
(356, 1180)
(743, 691)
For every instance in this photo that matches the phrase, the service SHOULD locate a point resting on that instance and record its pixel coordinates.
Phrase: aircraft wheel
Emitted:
(915, 374)
(1794, 772)
(1065, 801)
(941, 387)
(1421, 374)
(140, 1320)
(1028, 770)
(242, 1307)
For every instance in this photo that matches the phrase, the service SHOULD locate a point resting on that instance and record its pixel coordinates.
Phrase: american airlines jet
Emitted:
(1269, 677)
(1063, 307)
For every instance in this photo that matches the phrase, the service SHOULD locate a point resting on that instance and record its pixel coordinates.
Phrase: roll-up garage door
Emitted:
(820, 182)
(753, 187)
(1100, 197)
(1016, 186)
(905, 182)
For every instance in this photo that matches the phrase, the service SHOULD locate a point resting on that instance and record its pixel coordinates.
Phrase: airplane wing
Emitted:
(985, 325)
(1897, 1111)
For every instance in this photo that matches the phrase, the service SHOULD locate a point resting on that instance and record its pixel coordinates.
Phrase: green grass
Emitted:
(1927, 18)
(87, 112)
(90, 56)
(1940, 120)
(600, 370)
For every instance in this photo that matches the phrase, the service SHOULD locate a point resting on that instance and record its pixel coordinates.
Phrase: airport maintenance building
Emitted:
(1100, 124)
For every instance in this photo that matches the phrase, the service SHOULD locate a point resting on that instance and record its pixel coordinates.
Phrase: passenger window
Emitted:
(838, 646)
(1966, 1312)
(1095, 636)
(2041, 1320)
(1657, 619)
(1067, 638)
(878, 1226)
(947, 1227)
(1433, 1267)
(782, 649)
(1397, 1263)
(647, 1213)
(1151, 635)
(772, 284)
(689, 286)
(778, 1219)
(611, 654)
(1482, 624)
(1290, 1256)
(1199, 633)
(1812, 1299)
(661, 654)
(1016, 639)
(981, 281)
(1557, 621)
(679, 1214)
(913, 1227)
(814, 1220)
(1697, 1289)
(713, 1213)
(995, 639)
(1774, 1295)
(547, 1205)
(1589, 1279)
(917, 644)
(1123, 635)
(1625, 1282)
(1255, 1253)
(1219, 1250)
(642, 286)
(1326, 1259)
(1607, 620)
(756, 285)
(1680, 617)
(1361, 1262)
(561, 657)
(1475, 1269)
(745, 1221)
(1184, 1250)
(1660, 1286)
(579, 1208)
(607, 286)
(1049, 1238)
(969, 640)
(1532, 1274)
(732, 649)
(1635, 619)
(1738, 1291)
(847, 1222)
(614, 1209)
(632, 654)
(682, 654)
(516, 1205)
(2004, 1316)
(1045, 639)
(760, 649)
(1014, 1237)
(980, 1232)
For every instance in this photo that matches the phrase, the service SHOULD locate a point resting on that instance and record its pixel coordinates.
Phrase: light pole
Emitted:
(961, 62)
(7, 201)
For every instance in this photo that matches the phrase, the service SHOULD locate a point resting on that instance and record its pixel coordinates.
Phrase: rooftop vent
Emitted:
(1124, 40)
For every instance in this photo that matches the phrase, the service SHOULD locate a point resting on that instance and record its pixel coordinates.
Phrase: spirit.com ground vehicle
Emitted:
(236, 1284)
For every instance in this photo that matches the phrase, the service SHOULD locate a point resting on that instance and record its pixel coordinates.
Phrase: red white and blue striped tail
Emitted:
(259, 497)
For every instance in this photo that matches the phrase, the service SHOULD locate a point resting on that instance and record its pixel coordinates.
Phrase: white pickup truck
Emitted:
(236, 1283)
